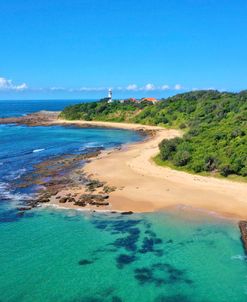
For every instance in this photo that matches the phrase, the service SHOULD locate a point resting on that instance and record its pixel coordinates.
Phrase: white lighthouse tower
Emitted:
(110, 96)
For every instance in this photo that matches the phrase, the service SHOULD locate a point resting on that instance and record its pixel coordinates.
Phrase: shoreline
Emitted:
(143, 186)
(147, 187)
(186, 213)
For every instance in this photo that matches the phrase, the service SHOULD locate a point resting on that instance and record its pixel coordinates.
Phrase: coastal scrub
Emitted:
(214, 125)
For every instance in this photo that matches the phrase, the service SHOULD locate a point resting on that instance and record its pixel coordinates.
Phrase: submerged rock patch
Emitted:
(159, 274)
(124, 259)
(85, 262)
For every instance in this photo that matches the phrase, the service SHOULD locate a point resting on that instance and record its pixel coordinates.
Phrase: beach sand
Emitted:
(145, 187)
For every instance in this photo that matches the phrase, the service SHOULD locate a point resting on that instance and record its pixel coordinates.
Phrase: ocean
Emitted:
(65, 255)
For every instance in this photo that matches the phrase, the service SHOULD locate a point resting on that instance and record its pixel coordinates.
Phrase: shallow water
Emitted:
(55, 255)
(22, 147)
(65, 255)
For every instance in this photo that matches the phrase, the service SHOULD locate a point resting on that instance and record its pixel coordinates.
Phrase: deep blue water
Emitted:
(21, 147)
(22, 107)
(70, 256)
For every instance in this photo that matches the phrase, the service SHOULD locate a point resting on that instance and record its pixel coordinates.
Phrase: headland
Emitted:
(129, 180)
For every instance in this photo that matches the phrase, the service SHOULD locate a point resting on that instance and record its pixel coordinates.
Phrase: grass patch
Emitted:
(167, 164)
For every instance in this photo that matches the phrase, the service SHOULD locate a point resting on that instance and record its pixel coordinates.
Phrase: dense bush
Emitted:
(168, 147)
(216, 139)
(215, 126)
(102, 111)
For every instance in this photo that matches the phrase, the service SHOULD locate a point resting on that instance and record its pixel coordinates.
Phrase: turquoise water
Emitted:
(70, 256)
(65, 255)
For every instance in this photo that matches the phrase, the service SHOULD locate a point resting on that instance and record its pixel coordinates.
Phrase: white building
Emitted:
(110, 96)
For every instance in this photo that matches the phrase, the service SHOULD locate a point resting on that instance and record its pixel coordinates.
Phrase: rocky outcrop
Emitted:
(127, 213)
(94, 184)
(67, 199)
(24, 208)
(43, 200)
(64, 173)
(33, 119)
(92, 199)
(243, 229)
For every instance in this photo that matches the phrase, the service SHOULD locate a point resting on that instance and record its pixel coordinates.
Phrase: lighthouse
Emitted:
(110, 96)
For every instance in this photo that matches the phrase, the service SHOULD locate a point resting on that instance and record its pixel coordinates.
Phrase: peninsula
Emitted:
(143, 186)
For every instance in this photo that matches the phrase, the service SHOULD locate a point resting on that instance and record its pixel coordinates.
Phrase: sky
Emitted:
(77, 49)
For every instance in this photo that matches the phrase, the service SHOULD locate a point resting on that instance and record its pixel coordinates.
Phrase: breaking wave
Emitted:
(38, 150)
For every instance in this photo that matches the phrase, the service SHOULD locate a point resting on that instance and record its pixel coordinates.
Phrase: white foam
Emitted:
(38, 150)
(6, 194)
(3, 186)
(239, 257)
(15, 174)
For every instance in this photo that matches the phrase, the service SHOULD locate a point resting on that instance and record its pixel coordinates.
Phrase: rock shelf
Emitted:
(243, 229)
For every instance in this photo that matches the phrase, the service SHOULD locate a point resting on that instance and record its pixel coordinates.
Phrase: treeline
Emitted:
(214, 123)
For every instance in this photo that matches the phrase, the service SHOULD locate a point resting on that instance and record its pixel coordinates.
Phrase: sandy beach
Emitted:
(144, 187)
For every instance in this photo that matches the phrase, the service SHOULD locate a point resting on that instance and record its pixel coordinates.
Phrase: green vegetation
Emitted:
(169, 164)
(214, 124)
(102, 111)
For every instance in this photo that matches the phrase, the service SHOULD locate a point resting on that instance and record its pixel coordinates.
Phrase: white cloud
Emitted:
(165, 87)
(132, 87)
(92, 89)
(57, 88)
(22, 86)
(81, 89)
(6, 84)
(149, 87)
(178, 87)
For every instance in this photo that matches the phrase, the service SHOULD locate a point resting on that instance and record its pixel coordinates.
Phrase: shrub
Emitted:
(167, 147)
(182, 126)
(181, 158)
(225, 170)
(211, 163)
(243, 171)
(197, 166)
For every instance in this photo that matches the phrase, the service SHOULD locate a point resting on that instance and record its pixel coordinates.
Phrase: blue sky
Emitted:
(79, 48)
